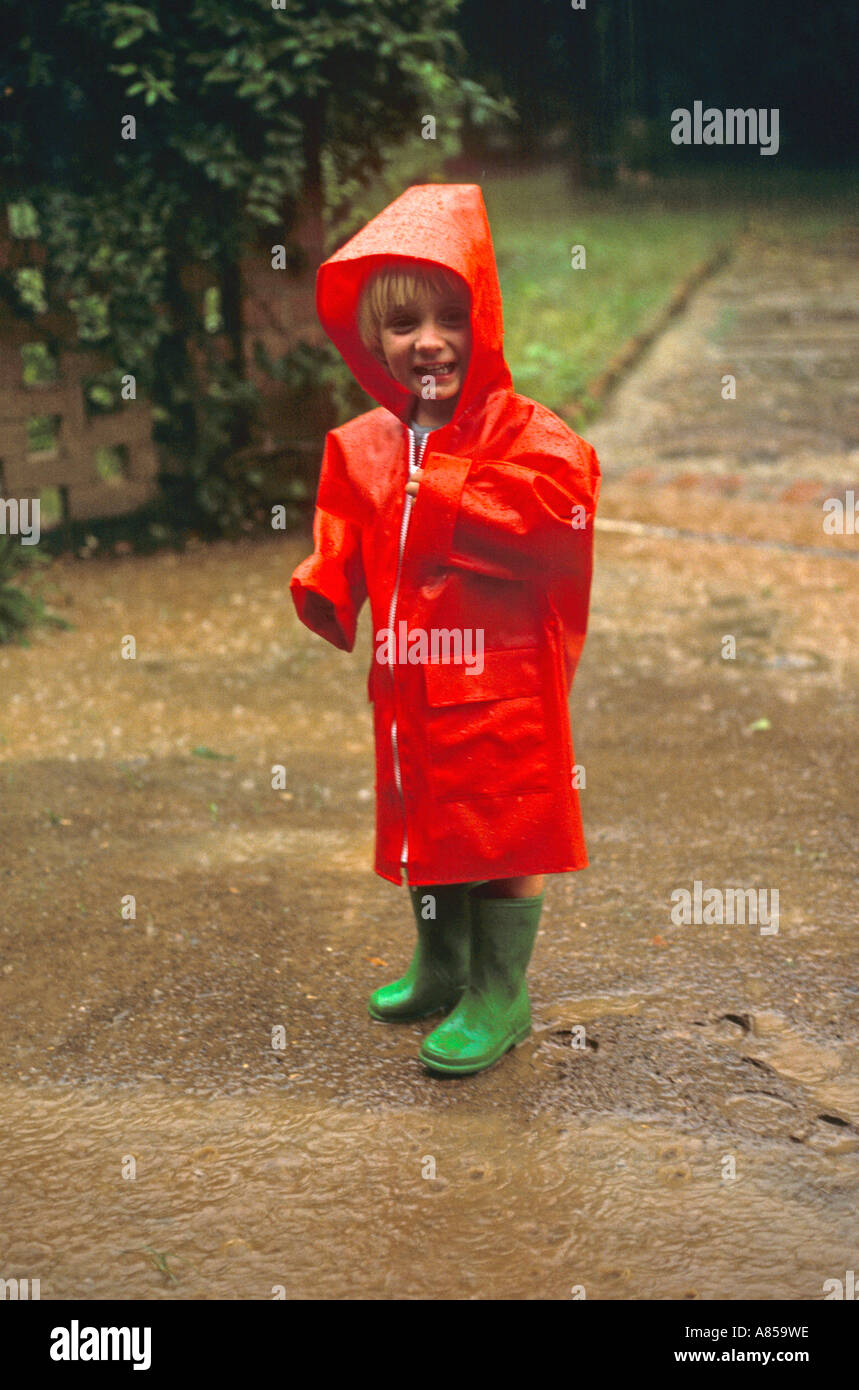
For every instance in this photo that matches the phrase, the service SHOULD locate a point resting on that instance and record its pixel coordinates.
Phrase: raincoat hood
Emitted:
(442, 224)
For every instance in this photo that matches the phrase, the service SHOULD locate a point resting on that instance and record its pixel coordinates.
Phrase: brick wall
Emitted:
(101, 466)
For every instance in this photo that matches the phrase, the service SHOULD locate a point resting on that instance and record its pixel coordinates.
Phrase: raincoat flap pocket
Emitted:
(506, 675)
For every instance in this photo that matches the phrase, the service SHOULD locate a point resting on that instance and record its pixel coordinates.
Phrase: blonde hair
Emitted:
(397, 287)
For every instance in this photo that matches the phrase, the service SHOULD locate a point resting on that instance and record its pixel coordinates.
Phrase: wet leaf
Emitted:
(157, 1257)
(759, 726)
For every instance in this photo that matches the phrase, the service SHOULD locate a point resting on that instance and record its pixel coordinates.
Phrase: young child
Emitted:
(464, 511)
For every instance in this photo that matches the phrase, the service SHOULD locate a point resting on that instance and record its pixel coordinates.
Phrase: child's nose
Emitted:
(429, 336)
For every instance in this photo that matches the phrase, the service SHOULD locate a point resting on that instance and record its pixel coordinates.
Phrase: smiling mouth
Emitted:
(436, 369)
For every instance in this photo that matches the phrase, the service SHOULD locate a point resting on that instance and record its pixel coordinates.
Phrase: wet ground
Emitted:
(701, 1141)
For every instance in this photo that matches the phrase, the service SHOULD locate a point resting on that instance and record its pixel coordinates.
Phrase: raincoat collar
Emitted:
(447, 225)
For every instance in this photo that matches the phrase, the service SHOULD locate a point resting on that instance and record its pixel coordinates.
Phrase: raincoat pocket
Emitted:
(486, 729)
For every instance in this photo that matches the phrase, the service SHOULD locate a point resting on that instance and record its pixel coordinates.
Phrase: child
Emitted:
(465, 513)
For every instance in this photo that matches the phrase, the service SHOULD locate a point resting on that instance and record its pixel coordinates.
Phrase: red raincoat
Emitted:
(473, 770)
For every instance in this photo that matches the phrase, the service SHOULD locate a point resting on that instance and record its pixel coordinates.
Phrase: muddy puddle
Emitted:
(262, 1197)
(684, 1120)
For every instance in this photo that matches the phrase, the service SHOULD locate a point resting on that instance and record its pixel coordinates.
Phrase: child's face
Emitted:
(430, 338)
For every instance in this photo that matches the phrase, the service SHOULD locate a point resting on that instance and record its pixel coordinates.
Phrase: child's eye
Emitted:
(406, 323)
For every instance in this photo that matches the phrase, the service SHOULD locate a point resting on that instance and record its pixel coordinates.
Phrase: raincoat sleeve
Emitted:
(529, 519)
(335, 570)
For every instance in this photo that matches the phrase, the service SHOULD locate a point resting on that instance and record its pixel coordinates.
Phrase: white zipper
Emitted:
(407, 511)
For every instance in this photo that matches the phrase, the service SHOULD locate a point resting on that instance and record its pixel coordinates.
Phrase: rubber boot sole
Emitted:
(468, 1067)
(445, 1007)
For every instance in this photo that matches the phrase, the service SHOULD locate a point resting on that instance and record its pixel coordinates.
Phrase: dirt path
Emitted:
(605, 1166)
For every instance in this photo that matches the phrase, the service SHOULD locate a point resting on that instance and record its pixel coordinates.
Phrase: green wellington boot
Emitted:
(494, 1013)
(438, 972)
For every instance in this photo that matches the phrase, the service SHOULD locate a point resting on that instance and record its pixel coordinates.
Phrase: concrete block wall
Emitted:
(71, 464)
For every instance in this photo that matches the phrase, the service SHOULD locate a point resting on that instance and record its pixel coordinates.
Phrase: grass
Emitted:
(563, 326)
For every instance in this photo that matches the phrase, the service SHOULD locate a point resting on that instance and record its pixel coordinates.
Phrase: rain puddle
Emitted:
(143, 1193)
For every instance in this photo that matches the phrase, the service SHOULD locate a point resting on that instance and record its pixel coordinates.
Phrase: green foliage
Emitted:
(23, 221)
(217, 492)
(19, 610)
(244, 114)
(315, 377)
(318, 393)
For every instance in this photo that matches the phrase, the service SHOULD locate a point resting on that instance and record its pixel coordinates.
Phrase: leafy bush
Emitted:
(20, 610)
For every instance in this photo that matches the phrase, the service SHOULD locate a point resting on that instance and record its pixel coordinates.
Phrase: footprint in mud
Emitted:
(783, 1056)
(741, 1021)
(766, 1114)
(726, 1028)
(773, 1045)
(569, 1027)
(829, 1134)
